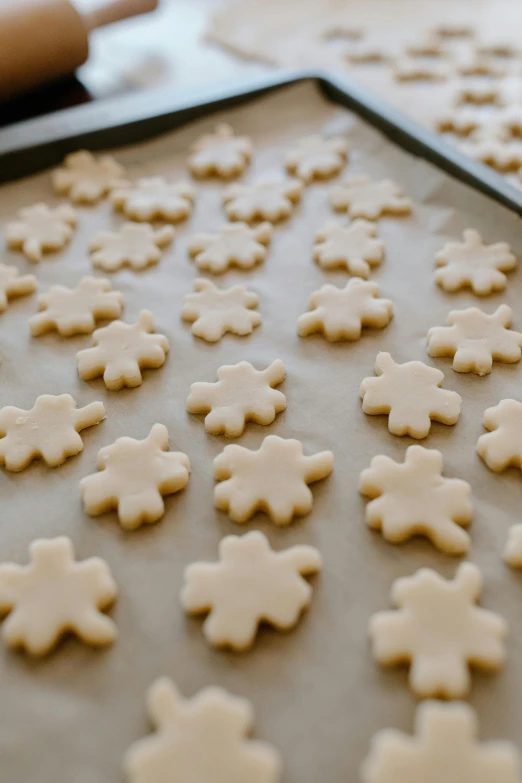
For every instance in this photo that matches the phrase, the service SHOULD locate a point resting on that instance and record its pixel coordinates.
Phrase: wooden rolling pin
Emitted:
(42, 40)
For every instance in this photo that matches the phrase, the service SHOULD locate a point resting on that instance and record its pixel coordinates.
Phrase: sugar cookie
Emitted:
(501, 447)
(427, 45)
(220, 153)
(121, 351)
(48, 430)
(438, 630)
(340, 313)
(272, 479)
(153, 198)
(201, 739)
(136, 245)
(133, 476)
(250, 584)
(454, 30)
(241, 394)
(473, 264)
(361, 197)
(494, 147)
(235, 244)
(478, 92)
(513, 548)
(266, 199)
(40, 229)
(75, 310)
(315, 157)
(214, 311)
(55, 595)
(460, 120)
(477, 63)
(86, 179)
(413, 69)
(410, 393)
(12, 284)
(354, 247)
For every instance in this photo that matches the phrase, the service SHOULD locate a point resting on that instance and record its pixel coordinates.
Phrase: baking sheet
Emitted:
(317, 694)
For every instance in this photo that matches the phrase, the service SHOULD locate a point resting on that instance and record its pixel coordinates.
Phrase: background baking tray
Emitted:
(317, 693)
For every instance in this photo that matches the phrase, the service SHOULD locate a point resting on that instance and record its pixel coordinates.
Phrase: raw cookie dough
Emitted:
(241, 394)
(220, 153)
(121, 351)
(12, 284)
(200, 739)
(412, 498)
(340, 313)
(249, 585)
(501, 447)
(475, 338)
(473, 264)
(235, 244)
(272, 479)
(513, 549)
(214, 311)
(134, 474)
(315, 157)
(86, 179)
(40, 229)
(75, 310)
(438, 630)
(48, 430)
(134, 245)
(410, 393)
(153, 198)
(265, 199)
(444, 748)
(363, 198)
(55, 595)
(354, 247)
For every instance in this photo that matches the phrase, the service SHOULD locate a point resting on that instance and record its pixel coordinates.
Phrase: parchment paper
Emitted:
(317, 694)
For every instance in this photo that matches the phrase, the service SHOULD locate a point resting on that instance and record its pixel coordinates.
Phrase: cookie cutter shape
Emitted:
(86, 179)
(200, 739)
(475, 339)
(220, 154)
(398, 758)
(473, 264)
(410, 393)
(48, 430)
(272, 479)
(154, 198)
(438, 629)
(266, 199)
(494, 147)
(513, 549)
(40, 229)
(12, 284)
(54, 595)
(134, 245)
(214, 311)
(412, 498)
(340, 313)
(315, 157)
(361, 197)
(354, 247)
(241, 394)
(133, 476)
(121, 351)
(235, 244)
(72, 311)
(501, 447)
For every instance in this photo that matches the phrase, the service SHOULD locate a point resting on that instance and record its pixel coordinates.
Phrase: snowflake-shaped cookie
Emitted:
(75, 310)
(134, 474)
(460, 120)
(473, 264)
(475, 63)
(315, 157)
(134, 245)
(340, 313)
(153, 198)
(410, 393)
(444, 748)
(415, 69)
(121, 351)
(475, 338)
(220, 153)
(271, 200)
(48, 430)
(494, 147)
(363, 198)
(354, 247)
(235, 244)
(214, 311)
(412, 498)
(513, 549)
(439, 631)
(86, 179)
(272, 479)
(249, 585)
(199, 740)
(479, 93)
(40, 229)
(501, 447)
(12, 284)
(54, 595)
